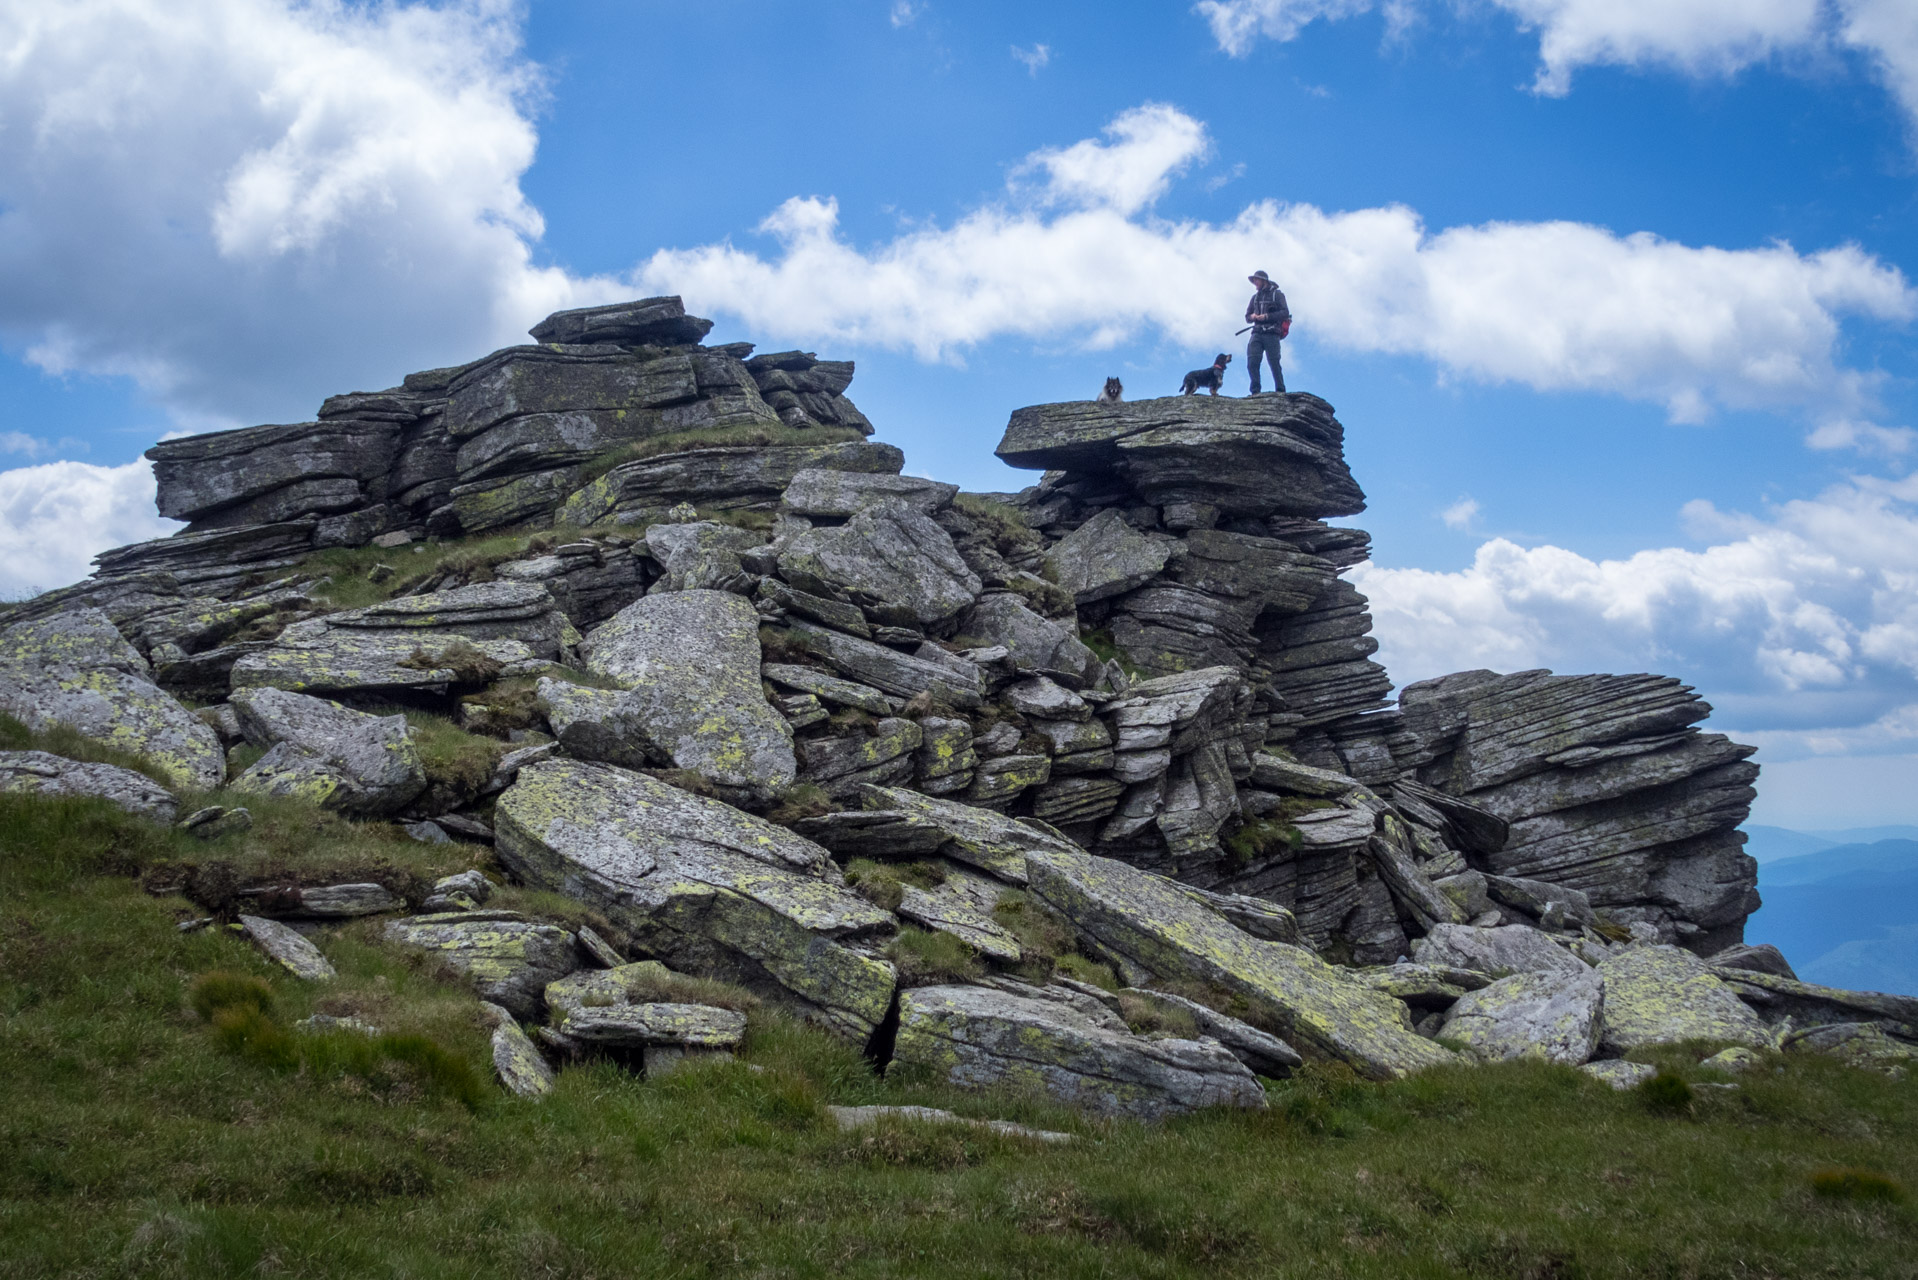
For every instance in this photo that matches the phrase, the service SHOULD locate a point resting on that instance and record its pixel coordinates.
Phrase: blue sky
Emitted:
(1615, 300)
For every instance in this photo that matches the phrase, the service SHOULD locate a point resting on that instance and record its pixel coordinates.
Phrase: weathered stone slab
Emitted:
(1157, 929)
(1259, 1050)
(976, 1037)
(1105, 557)
(902, 675)
(893, 561)
(1662, 995)
(1035, 643)
(819, 492)
(508, 959)
(301, 958)
(74, 668)
(46, 774)
(635, 1026)
(1512, 948)
(702, 886)
(341, 759)
(831, 688)
(516, 1060)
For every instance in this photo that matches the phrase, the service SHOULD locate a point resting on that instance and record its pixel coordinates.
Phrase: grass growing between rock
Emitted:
(65, 740)
(139, 1145)
(753, 435)
(350, 576)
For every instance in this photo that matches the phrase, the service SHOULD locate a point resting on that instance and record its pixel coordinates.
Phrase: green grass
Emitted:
(473, 559)
(925, 958)
(140, 1144)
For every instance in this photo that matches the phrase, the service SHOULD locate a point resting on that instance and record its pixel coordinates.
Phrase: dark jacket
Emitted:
(1271, 300)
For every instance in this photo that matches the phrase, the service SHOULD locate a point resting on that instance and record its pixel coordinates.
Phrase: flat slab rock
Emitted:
(46, 774)
(978, 1037)
(701, 885)
(635, 1026)
(1159, 931)
(891, 559)
(517, 1061)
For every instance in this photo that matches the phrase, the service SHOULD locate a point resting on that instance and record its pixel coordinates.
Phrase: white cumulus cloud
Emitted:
(247, 205)
(1460, 514)
(1553, 306)
(1693, 37)
(54, 518)
(1802, 624)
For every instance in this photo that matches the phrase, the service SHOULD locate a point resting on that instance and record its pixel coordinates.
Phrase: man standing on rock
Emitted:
(1271, 320)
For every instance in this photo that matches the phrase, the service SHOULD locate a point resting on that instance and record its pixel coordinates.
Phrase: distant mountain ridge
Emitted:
(1851, 907)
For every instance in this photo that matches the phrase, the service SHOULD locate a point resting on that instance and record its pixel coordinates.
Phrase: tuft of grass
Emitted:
(223, 989)
(461, 762)
(800, 800)
(1046, 598)
(925, 957)
(1081, 969)
(1856, 1184)
(1004, 527)
(461, 561)
(1100, 640)
(1666, 1094)
(1262, 838)
(884, 883)
(1147, 1017)
(696, 438)
(467, 661)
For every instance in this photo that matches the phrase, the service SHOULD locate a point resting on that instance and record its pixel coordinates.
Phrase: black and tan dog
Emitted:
(1211, 378)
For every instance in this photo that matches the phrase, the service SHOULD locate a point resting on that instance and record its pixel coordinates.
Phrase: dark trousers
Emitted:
(1267, 345)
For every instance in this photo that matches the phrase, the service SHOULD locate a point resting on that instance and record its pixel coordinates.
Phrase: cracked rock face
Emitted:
(889, 558)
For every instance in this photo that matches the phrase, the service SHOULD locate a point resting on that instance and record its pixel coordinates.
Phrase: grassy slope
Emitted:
(135, 1146)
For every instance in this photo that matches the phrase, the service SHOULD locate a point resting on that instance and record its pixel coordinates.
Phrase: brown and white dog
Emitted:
(1211, 378)
(1114, 392)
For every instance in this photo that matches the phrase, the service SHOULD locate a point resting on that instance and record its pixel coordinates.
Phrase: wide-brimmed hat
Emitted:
(1261, 277)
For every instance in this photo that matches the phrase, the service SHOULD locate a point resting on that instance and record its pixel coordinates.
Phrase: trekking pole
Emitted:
(1242, 331)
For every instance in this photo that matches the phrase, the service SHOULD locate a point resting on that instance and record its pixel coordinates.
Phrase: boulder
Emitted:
(644, 1026)
(1512, 948)
(961, 905)
(831, 688)
(819, 492)
(702, 554)
(1104, 557)
(313, 657)
(599, 724)
(977, 1037)
(1619, 1074)
(1861, 1044)
(690, 663)
(75, 668)
(1157, 930)
(1663, 995)
(659, 322)
(1529, 1015)
(46, 774)
(301, 958)
(1035, 643)
(508, 958)
(702, 886)
(516, 1060)
(344, 760)
(892, 560)
(507, 610)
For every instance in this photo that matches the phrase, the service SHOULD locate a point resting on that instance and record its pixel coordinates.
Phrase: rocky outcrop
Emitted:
(1133, 706)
